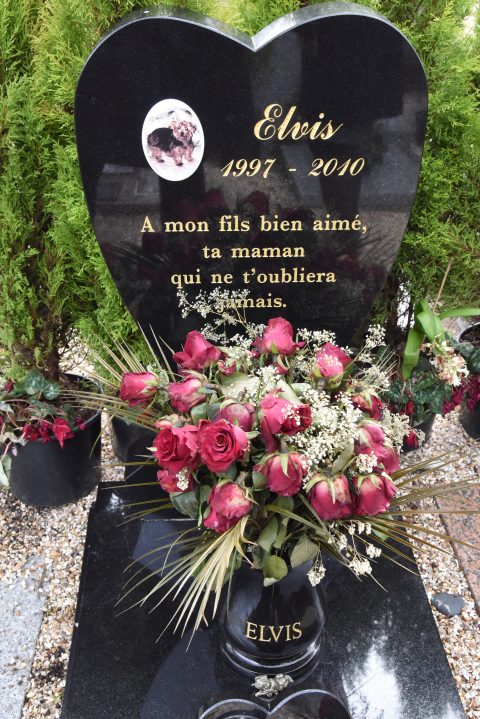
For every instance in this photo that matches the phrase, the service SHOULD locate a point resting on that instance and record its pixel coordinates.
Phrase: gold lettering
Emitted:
(276, 635)
(297, 630)
(261, 638)
(250, 633)
(147, 225)
(265, 128)
(271, 111)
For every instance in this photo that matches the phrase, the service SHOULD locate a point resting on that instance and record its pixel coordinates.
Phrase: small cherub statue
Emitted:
(270, 686)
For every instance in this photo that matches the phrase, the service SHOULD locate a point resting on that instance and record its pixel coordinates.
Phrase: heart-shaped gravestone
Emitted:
(284, 164)
(306, 704)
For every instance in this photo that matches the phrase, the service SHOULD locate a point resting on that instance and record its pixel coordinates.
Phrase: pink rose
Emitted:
(184, 395)
(332, 505)
(330, 361)
(375, 492)
(138, 388)
(369, 402)
(228, 503)
(177, 447)
(221, 444)
(285, 483)
(242, 415)
(279, 416)
(227, 368)
(371, 438)
(277, 338)
(169, 481)
(61, 430)
(197, 353)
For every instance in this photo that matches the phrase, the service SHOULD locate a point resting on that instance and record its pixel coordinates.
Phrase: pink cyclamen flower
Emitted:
(197, 353)
(332, 505)
(330, 362)
(285, 483)
(138, 388)
(61, 430)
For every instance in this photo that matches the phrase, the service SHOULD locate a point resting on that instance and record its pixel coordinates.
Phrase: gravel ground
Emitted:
(57, 537)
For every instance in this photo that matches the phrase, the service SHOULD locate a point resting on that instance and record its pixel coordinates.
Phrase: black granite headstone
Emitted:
(284, 164)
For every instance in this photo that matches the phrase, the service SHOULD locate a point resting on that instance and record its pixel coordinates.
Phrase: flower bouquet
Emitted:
(279, 447)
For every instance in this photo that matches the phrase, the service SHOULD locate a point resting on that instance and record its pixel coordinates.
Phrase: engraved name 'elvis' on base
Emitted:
(265, 633)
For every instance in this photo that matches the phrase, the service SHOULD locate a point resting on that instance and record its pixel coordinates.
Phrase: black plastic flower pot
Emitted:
(470, 421)
(47, 475)
(129, 440)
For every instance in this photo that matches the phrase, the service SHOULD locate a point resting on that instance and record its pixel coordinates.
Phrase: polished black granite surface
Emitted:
(381, 650)
(338, 66)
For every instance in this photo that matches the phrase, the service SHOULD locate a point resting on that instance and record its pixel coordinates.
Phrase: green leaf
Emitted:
(5, 407)
(282, 533)
(411, 352)
(50, 390)
(268, 534)
(259, 480)
(33, 382)
(473, 363)
(343, 458)
(274, 569)
(5, 464)
(283, 502)
(461, 312)
(199, 412)
(284, 463)
(213, 410)
(303, 551)
(186, 503)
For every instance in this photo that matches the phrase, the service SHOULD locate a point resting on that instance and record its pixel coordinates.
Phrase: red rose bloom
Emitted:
(177, 447)
(330, 505)
(372, 439)
(197, 353)
(330, 361)
(279, 416)
(138, 388)
(184, 395)
(285, 483)
(239, 414)
(169, 481)
(375, 492)
(277, 338)
(228, 503)
(221, 444)
(61, 430)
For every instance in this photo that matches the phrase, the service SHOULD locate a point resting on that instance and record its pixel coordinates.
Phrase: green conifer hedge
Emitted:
(53, 280)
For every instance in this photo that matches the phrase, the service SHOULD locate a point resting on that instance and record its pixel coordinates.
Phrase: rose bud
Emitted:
(61, 430)
(184, 395)
(330, 362)
(277, 338)
(221, 444)
(279, 416)
(368, 401)
(176, 448)
(371, 437)
(138, 388)
(410, 440)
(330, 504)
(285, 483)
(197, 354)
(227, 367)
(375, 492)
(173, 482)
(229, 500)
(218, 522)
(242, 415)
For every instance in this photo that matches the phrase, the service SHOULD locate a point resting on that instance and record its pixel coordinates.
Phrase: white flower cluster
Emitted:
(375, 337)
(366, 462)
(450, 366)
(268, 377)
(183, 477)
(316, 338)
(316, 573)
(395, 426)
(376, 377)
(360, 566)
(373, 551)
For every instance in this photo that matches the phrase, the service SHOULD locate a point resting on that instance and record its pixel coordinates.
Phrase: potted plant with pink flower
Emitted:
(278, 447)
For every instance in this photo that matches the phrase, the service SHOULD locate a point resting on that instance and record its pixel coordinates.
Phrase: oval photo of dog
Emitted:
(173, 140)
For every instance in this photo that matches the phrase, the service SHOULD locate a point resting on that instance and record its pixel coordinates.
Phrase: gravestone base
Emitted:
(381, 653)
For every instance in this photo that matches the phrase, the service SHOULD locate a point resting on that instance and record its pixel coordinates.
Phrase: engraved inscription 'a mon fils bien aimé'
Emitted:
(265, 633)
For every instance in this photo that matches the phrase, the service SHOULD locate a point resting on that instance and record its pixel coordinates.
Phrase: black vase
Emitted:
(45, 475)
(275, 629)
(130, 440)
